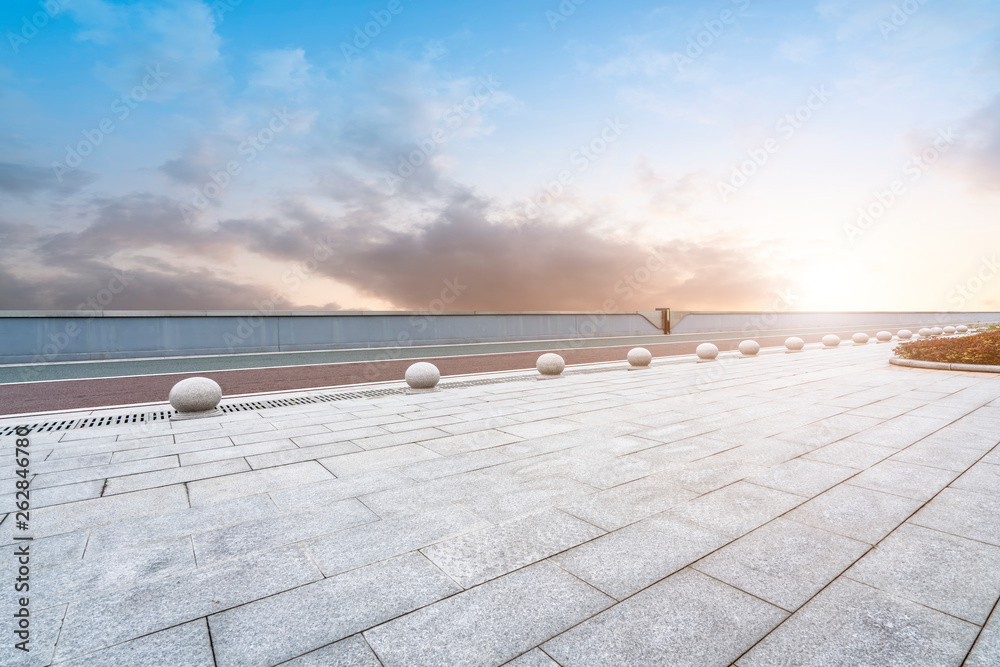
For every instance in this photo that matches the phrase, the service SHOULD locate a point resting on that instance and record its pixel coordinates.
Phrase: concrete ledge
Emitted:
(941, 366)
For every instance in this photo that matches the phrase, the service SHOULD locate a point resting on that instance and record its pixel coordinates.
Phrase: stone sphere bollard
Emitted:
(860, 338)
(925, 333)
(707, 352)
(749, 347)
(794, 344)
(422, 375)
(550, 365)
(831, 340)
(904, 334)
(639, 357)
(195, 397)
(961, 328)
(883, 336)
(950, 330)
(936, 331)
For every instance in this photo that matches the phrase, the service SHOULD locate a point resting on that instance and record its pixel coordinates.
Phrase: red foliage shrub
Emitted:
(980, 348)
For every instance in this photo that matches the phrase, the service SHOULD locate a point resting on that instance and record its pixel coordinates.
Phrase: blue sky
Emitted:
(239, 155)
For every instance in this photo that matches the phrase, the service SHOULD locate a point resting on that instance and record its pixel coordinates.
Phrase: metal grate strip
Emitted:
(164, 415)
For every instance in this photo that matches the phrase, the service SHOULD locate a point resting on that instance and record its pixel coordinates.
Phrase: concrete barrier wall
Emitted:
(33, 337)
(750, 322)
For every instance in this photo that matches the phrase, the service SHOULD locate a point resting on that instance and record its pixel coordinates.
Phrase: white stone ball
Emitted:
(961, 328)
(925, 332)
(550, 363)
(749, 347)
(860, 338)
(707, 351)
(639, 357)
(794, 344)
(195, 395)
(937, 331)
(883, 336)
(422, 375)
(950, 330)
(904, 334)
(831, 340)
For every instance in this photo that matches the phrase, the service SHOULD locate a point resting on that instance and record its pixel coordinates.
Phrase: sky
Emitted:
(521, 155)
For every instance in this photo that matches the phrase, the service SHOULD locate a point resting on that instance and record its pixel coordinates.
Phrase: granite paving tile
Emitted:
(96, 512)
(489, 624)
(981, 478)
(736, 509)
(904, 479)
(325, 611)
(851, 453)
(351, 652)
(667, 625)
(621, 505)
(952, 574)
(187, 644)
(108, 539)
(526, 498)
(783, 562)
(377, 459)
(131, 613)
(987, 647)
(803, 477)
(373, 542)
(632, 558)
(484, 554)
(230, 487)
(300, 454)
(855, 512)
(319, 494)
(79, 579)
(171, 476)
(850, 624)
(963, 513)
(247, 537)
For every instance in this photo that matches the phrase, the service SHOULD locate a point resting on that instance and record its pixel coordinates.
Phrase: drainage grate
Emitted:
(164, 415)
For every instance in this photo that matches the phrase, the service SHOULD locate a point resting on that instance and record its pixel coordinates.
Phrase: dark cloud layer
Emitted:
(23, 180)
(520, 265)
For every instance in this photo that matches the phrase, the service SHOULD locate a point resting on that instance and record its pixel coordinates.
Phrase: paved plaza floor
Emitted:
(816, 508)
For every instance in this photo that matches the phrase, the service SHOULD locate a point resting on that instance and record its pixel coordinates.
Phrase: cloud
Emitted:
(143, 290)
(284, 69)
(23, 180)
(799, 49)
(177, 36)
(518, 265)
(979, 148)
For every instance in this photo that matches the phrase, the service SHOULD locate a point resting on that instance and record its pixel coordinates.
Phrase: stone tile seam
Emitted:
(873, 547)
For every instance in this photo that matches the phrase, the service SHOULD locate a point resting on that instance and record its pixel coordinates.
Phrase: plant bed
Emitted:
(980, 348)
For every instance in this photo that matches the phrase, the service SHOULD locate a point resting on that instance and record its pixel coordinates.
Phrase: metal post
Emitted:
(666, 319)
